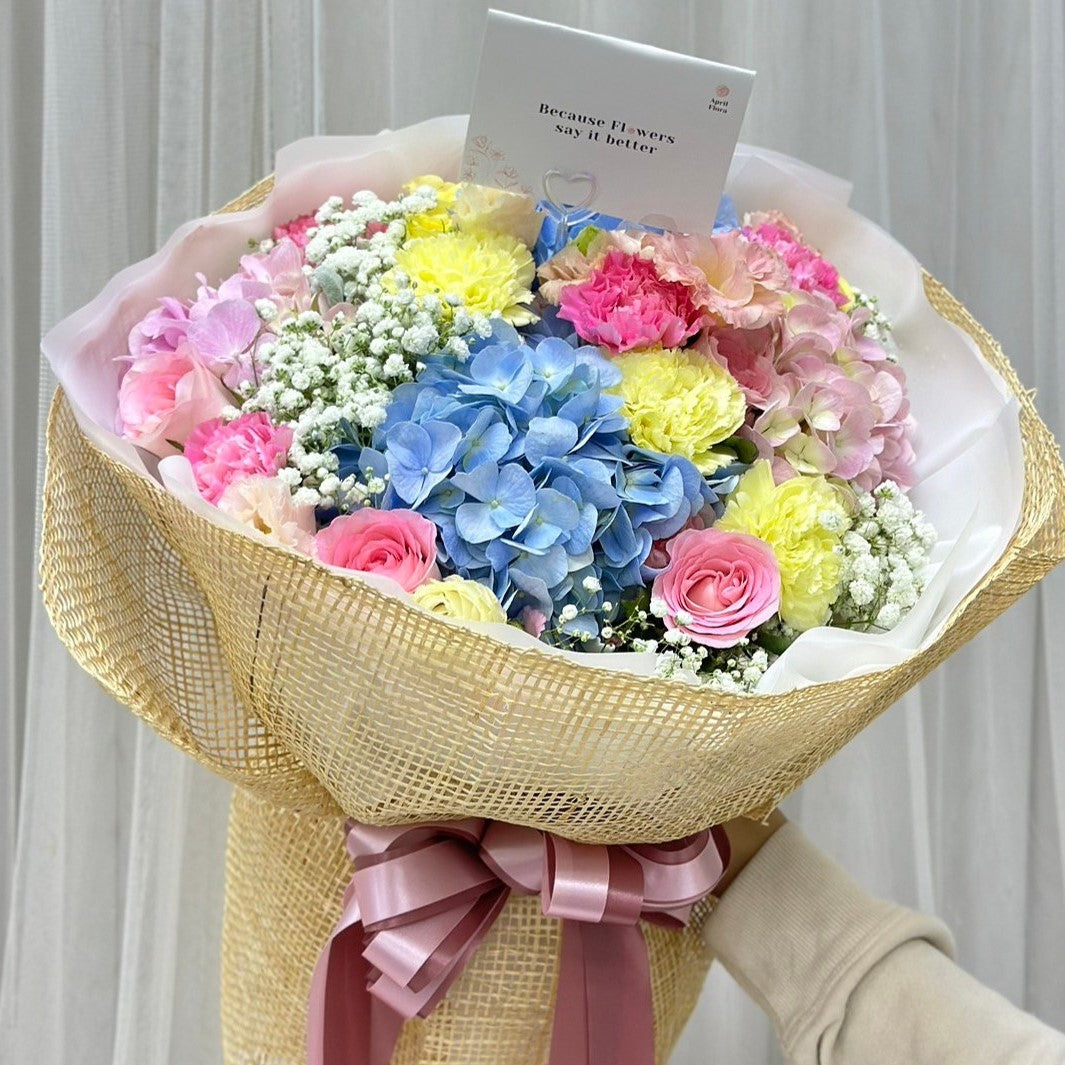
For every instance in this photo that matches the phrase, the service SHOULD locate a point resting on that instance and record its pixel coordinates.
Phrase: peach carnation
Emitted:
(735, 280)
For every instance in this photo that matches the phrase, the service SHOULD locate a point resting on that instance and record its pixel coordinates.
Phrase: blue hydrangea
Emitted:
(556, 232)
(521, 457)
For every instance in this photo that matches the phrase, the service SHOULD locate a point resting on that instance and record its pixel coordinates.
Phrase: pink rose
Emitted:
(222, 452)
(728, 584)
(163, 397)
(393, 543)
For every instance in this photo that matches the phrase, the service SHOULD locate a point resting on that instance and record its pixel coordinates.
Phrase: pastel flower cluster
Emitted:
(521, 459)
(619, 439)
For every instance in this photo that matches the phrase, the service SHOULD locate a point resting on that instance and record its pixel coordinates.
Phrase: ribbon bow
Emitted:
(423, 897)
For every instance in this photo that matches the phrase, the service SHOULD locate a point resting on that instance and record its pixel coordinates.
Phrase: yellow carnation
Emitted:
(437, 220)
(456, 597)
(680, 403)
(489, 274)
(848, 293)
(479, 209)
(792, 518)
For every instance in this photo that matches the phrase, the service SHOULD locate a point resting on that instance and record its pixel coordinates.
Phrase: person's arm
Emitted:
(851, 980)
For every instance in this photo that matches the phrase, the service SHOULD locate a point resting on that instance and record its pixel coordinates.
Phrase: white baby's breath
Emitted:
(884, 561)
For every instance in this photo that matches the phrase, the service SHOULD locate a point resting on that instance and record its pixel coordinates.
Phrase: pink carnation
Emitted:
(747, 354)
(399, 544)
(571, 265)
(625, 305)
(809, 271)
(296, 230)
(163, 396)
(727, 583)
(223, 452)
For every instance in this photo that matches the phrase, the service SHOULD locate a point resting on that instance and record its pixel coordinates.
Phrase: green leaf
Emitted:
(585, 238)
(330, 284)
(745, 450)
(775, 642)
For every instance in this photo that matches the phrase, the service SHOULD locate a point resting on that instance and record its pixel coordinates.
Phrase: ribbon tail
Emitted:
(346, 1025)
(603, 1010)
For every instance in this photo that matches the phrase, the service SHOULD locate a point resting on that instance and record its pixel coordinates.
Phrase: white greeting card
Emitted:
(592, 121)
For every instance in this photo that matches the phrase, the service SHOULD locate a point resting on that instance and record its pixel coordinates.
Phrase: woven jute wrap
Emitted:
(321, 697)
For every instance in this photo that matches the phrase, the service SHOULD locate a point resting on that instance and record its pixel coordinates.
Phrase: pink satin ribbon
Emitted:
(423, 897)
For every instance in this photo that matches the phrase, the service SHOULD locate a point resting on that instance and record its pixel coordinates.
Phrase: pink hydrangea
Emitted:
(398, 544)
(161, 330)
(836, 405)
(625, 305)
(533, 621)
(224, 337)
(297, 230)
(223, 452)
(723, 585)
(280, 271)
(162, 397)
(809, 271)
(735, 280)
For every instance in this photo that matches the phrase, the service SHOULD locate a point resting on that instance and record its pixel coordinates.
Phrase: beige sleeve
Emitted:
(851, 980)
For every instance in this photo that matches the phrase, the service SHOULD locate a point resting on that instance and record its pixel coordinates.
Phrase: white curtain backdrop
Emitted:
(121, 118)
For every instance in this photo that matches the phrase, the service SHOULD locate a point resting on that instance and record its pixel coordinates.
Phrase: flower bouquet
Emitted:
(532, 541)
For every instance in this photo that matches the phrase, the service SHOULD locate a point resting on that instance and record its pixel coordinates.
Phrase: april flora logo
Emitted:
(719, 103)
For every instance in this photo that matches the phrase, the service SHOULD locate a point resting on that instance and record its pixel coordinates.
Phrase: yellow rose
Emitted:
(491, 275)
(803, 520)
(680, 403)
(438, 219)
(493, 211)
(456, 597)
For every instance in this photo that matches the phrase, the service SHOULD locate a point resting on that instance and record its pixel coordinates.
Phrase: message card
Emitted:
(592, 121)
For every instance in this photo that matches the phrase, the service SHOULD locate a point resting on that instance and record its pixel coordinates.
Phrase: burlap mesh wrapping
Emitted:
(320, 697)
(285, 875)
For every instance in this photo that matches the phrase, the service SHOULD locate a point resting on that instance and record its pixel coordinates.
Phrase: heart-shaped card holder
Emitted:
(569, 194)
